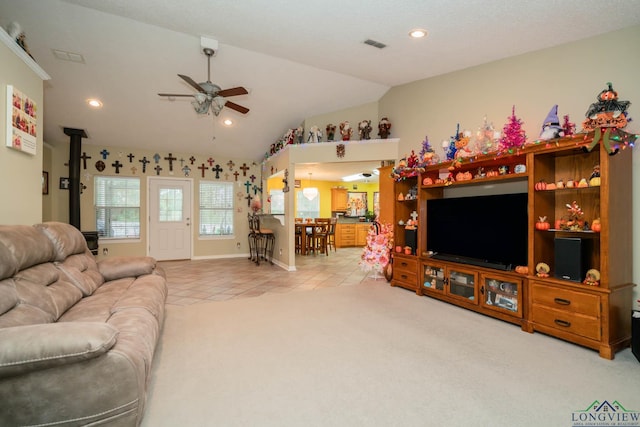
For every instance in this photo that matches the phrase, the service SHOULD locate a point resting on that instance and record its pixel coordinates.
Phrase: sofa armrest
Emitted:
(126, 266)
(35, 347)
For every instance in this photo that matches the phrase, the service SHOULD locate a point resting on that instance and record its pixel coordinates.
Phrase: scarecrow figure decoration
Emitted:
(604, 117)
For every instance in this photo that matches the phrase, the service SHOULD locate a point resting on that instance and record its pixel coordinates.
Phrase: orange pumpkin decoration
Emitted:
(596, 225)
(542, 223)
(540, 185)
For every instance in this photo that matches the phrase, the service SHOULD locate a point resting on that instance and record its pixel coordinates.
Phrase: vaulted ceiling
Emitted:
(297, 58)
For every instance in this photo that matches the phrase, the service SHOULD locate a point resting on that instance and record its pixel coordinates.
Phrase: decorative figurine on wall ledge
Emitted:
(364, 129)
(384, 128)
(331, 132)
(299, 135)
(346, 131)
(314, 134)
(604, 117)
(551, 128)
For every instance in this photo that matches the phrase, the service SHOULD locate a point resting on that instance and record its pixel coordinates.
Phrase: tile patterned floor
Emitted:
(193, 282)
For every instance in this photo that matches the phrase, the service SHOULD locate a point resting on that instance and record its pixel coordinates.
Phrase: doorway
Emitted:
(170, 235)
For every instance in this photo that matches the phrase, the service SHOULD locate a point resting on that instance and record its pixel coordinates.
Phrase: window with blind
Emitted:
(307, 208)
(277, 201)
(216, 208)
(117, 205)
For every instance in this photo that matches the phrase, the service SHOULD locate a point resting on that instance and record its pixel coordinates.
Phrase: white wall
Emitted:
(20, 173)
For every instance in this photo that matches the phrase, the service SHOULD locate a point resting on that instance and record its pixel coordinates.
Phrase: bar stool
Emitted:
(264, 239)
(253, 239)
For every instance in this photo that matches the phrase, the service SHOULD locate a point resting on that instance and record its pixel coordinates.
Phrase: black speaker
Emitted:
(411, 239)
(571, 258)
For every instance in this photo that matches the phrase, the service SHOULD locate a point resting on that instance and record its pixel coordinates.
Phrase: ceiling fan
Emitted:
(210, 95)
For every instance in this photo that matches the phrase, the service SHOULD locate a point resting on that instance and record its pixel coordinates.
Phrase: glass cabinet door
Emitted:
(501, 293)
(433, 278)
(462, 284)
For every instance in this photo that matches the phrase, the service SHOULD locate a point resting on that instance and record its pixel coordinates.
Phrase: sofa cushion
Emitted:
(125, 266)
(8, 295)
(65, 238)
(22, 246)
(43, 295)
(37, 347)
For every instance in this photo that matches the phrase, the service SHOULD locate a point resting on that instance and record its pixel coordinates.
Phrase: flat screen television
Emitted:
(486, 231)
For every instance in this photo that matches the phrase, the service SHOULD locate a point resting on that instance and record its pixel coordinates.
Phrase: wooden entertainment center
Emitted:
(597, 317)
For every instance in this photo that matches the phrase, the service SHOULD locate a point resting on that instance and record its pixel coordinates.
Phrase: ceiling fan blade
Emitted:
(172, 95)
(233, 91)
(189, 80)
(238, 108)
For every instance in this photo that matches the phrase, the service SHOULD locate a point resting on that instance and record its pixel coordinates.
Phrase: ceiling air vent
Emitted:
(375, 43)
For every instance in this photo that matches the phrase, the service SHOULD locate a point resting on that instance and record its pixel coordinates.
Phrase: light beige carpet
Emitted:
(370, 355)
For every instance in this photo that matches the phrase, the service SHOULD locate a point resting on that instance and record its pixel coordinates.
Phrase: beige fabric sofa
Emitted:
(77, 337)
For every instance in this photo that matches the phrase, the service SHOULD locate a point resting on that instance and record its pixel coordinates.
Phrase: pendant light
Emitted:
(310, 192)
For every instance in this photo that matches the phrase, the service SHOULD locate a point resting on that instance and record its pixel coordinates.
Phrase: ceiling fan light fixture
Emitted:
(201, 107)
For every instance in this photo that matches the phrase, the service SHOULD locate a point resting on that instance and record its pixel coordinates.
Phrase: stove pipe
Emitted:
(75, 146)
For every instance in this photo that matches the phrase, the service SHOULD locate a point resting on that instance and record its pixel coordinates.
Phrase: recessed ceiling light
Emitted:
(227, 122)
(417, 33)
(95, 103)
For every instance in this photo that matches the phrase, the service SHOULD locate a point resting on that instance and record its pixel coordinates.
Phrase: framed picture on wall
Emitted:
(356, 203)
(22, 126)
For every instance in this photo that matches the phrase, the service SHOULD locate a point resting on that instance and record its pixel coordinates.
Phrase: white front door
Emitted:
(170, 218)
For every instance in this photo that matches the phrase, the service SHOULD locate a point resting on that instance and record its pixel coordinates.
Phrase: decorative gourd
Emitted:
(596, 225)
(540, 185)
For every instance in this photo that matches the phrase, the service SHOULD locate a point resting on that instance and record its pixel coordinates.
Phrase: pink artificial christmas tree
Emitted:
(568, 127)
(513, 136)
(377, 252)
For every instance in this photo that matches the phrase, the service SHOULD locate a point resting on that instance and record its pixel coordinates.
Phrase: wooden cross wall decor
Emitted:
(84, 158)
(130, 156)
(104, 153)
(248, 185)
(144, 162)
(235, 174)
(217, 170)
(244, 168)
(192, 159)
(117, 165)
(203, 168)
(158, 168)
(170, 158)
(211, 160)
(231, 165)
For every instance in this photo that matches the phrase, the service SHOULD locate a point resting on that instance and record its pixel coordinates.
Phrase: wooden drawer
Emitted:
(578, 324)
(409, 265)
(406, 277)
(566, 300)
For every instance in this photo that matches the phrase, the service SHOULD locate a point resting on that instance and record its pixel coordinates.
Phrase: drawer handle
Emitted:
(404, 264)
(562, 323)
(404, 276)
(562, 301)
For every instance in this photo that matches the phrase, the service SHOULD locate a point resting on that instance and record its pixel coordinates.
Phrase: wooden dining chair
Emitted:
(331, 234)
(318, 238)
